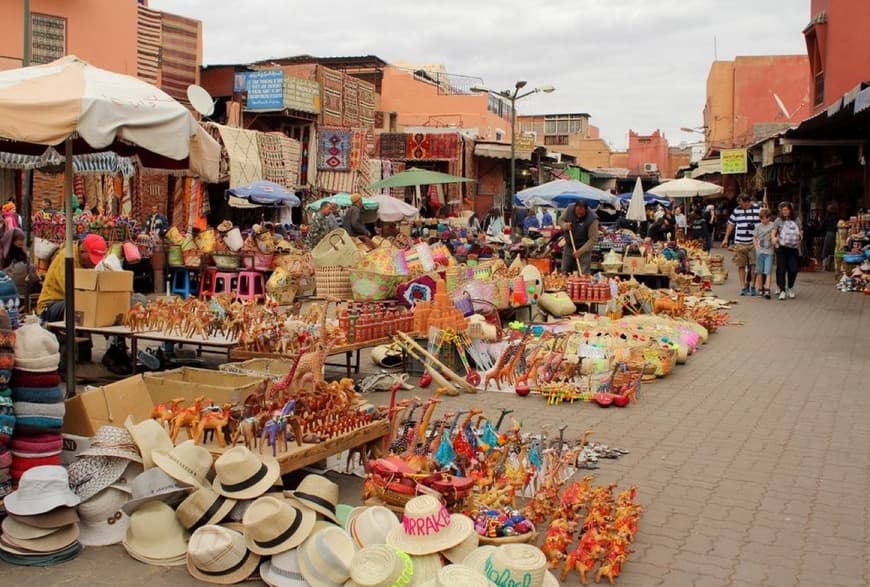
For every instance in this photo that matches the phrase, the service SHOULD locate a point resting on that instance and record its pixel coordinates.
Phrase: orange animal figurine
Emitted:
(559, 536)
(617, 552)
(188, 418)
(164, 413)
(214, 420)
(584, 558)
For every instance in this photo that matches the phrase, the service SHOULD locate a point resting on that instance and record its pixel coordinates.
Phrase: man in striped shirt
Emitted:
(742, 223)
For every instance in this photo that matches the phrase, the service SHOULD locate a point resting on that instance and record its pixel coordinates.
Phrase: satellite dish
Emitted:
(781, 106)
(201, 100)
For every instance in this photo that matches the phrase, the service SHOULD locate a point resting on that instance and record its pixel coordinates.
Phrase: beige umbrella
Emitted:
(636, 209)
(68, 99)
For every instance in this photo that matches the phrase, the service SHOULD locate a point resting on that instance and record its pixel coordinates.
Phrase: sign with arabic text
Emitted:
(733, 161)
(525, 143)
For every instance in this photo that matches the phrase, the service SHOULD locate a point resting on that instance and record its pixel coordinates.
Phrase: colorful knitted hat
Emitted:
(5, 323)
(39, 417)
(6, 402)
(37, 446)
(36, 349)
(7, 338)
(8, 293)
(7, 359)
(21, 464)
(38, 395)
(7, 425)
(30, 379)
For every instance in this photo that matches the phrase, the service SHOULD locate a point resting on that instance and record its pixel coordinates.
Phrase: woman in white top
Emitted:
(680, 220)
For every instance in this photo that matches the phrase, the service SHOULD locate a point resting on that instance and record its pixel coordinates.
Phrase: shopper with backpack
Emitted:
(787, 236)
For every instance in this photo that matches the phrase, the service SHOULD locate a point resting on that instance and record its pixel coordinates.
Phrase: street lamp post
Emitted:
(513, 97)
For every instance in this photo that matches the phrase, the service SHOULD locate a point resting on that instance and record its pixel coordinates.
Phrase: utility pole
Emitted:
(27, 175)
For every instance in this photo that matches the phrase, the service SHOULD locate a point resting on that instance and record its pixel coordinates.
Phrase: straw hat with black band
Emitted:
(319, 494)
(241, 474)
(203, 507)
(216, 554)
(274, 525)
(188, 462)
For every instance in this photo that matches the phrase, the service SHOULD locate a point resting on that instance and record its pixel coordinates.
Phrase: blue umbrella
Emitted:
(265, 193)
(648, 198)
(561, 193)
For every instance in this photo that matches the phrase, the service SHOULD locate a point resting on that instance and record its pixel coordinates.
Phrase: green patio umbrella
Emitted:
(416, 177)
(342, 200)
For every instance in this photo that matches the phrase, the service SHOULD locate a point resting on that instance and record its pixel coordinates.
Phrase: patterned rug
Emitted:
(334, 149)
(418, 146)
(271, 157)
(241, 146)
(394, 145)
(351, 101)
(443, 145)
(332, 83)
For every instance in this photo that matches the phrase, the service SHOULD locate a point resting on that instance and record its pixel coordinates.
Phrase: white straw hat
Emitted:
(61, 516)
(40, 490)
(149, 436)
(154, 485)
(458, 553)
(90, 475)
(455, 575)
(218, 555)
(155, 536)
(380, 566)
(426, 567)
(102, 521)
(188, 462)
(282, 570)
(23, 531)
(325, 558)
(274, 525)
(241, 474)
(317, 493)
(520, 564)
(203, 507)
(112, 441)
(370, 525)
(427, 527)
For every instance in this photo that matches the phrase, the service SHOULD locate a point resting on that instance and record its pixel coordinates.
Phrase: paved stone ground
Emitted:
(751, 460)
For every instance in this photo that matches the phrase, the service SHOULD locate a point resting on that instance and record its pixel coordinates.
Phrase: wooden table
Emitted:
(222, 344)
(297, 457)
(351, 352)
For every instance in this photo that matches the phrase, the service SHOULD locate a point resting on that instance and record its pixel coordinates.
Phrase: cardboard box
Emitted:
(102, 298)
(190, 383)
(137, 395)
(110, 404)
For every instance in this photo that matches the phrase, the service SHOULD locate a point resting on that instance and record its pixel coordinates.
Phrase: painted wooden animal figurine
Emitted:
(188, 418)
(164, 413)
(276, 427)
(584, 558)
(559, 536)
(214, 421)
(247, 431)
(669, 306)
(617, 553)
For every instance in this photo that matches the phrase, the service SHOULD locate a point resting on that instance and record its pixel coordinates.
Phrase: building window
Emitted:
(555, 139)
(48, 38)
(563, 125)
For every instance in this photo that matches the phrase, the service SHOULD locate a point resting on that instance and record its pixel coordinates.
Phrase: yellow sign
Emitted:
(525, 143)
(733, 161)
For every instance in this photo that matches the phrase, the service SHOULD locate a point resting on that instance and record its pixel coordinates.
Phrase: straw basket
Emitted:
(175, 258)
(372, 286)
(225, 262)
(333, 281)
(528, 537)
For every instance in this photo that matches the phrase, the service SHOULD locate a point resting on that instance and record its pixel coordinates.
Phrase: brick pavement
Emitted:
(751, 460)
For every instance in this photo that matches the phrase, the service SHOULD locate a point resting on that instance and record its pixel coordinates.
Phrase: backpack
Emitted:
(789, 234)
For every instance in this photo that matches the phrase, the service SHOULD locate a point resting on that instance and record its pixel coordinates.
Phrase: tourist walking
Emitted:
(787, 236)
(742, 223)
(763, 241)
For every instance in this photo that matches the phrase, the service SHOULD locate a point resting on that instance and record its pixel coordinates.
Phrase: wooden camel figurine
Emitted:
(559, 536)
(584, 558)
(247, 431)
(164, 413)
(669, 306)
(215, 422)
(188, 418)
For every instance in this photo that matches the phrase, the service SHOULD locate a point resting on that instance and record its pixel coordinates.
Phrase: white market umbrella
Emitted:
(686, 187)
(636, 209)
(392, 209)
(68, 101)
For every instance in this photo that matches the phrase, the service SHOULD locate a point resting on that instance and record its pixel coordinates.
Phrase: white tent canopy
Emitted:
(686, 188)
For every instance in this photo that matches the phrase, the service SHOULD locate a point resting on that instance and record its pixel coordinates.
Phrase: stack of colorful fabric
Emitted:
(37, 399)
(42, 526)
(7, 411)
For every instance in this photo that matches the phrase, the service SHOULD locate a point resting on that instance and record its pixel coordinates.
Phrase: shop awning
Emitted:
(499, 151)
(707, 167)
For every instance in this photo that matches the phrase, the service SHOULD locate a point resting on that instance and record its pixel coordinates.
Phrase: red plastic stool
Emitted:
(206, 282)
(225, 282)
(252, 286)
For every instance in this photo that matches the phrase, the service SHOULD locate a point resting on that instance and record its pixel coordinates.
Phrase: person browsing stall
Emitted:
(581, 223)
(530, 223)
(547, 220)
(742, 223)
(352, 221)
(86, 255)
(322, 224)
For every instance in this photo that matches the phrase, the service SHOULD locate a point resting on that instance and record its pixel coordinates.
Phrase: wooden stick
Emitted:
(574, 251)
(439, 379)
(449, 373)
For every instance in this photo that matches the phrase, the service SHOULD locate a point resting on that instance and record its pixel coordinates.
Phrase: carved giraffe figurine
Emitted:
(164, 413)
(434, 441)
(428, 411)
(508, 373)
(492, 374)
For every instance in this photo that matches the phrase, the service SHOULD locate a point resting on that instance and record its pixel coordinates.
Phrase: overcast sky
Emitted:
(639, 64)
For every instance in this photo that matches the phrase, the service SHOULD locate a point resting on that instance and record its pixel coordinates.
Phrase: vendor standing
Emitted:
(322, 224)
(87, 255)
(582, 223)
(157, 223)
(352, 221)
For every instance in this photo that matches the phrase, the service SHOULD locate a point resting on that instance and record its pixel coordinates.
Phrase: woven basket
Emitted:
(226, 261)
(333, 281)
(528, 537)
(372, 286)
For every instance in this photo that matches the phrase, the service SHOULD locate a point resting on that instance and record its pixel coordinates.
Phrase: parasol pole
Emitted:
(69, 274)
